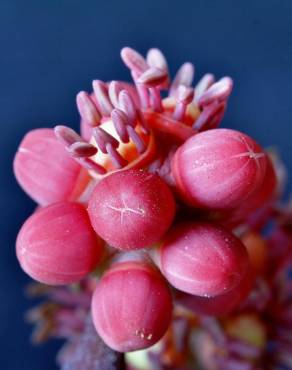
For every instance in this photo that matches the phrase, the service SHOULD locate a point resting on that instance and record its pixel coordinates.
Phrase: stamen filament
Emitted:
(118, 160)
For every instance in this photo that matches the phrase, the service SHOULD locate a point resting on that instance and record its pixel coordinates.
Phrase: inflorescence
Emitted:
(151, 232)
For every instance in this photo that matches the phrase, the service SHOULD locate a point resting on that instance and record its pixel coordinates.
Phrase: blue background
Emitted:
(52, 49)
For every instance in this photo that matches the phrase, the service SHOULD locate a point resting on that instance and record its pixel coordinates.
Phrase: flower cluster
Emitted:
(151, 231)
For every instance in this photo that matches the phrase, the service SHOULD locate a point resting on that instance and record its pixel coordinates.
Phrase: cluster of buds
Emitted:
(150, 231)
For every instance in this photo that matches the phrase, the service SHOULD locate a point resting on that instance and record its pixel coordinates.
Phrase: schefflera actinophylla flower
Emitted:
(123, 126)
(131, 127)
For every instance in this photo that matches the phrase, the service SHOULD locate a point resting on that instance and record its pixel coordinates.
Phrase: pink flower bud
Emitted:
(44, 169)
(131, 209)
(203, 259)
(57, 245)
(218, 169)
(131, 306)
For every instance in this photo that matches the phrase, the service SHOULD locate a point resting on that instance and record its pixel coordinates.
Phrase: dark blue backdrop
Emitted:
(51, 49)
